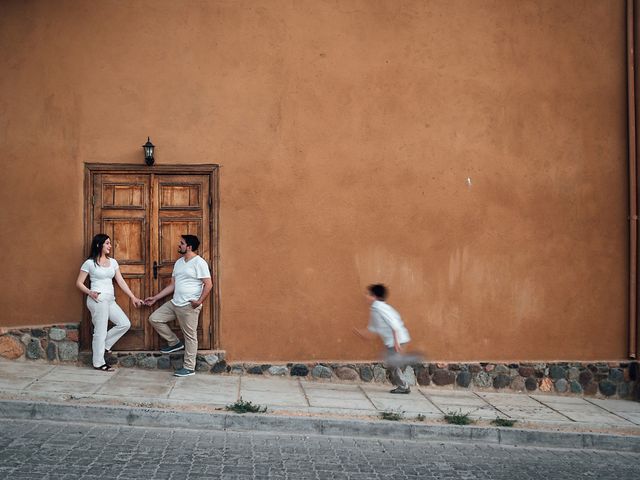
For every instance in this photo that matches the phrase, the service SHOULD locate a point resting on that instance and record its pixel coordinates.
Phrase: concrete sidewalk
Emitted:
(42, 383)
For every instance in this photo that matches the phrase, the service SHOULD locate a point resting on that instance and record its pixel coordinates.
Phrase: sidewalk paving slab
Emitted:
(522, 407)
(465, 403)
(18, 375)
(626, 409)
(580, 410)
(413, 403)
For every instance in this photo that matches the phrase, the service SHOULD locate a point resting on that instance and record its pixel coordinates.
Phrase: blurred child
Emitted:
(386, 322)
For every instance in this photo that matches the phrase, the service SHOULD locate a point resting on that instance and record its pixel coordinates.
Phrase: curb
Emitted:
(159, 418)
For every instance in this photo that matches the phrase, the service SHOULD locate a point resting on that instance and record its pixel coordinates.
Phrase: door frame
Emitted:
(213, 171)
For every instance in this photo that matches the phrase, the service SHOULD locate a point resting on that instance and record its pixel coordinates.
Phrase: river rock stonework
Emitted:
(11, 347)
(347, 373)
(616, 380)
(55, 343)
(321, 371)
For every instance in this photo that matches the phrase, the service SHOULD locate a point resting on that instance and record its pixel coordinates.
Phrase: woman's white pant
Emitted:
(102, 311)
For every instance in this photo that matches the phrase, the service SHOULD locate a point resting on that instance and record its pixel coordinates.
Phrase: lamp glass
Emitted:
(148, 149)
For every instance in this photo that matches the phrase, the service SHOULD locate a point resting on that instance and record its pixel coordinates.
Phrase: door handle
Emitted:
(155, 270)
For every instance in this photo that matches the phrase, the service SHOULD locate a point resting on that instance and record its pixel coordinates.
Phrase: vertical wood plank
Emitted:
(152, 338)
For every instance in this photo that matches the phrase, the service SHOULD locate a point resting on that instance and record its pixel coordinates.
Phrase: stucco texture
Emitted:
(470, 155)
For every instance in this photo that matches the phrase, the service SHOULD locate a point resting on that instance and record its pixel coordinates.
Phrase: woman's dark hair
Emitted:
(378, 290)
(96, 246)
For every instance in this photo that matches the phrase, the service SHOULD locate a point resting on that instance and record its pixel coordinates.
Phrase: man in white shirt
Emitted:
(190, 285)
(386, 322)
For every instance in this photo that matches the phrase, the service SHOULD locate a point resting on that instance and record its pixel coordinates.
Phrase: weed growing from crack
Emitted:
(393, 416)
(503, 422)
(245, 407)
(458, 418)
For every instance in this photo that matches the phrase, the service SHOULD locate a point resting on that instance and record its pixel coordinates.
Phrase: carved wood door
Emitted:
(145, 214)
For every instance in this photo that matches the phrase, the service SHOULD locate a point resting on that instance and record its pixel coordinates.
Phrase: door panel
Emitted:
(124, 195)
(129, 238)
(145, 214)
(180, 196)
(170, 229)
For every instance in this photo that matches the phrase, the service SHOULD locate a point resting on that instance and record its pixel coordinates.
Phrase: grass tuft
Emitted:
(458, 418)
(393, 416)
(503, 422)
(245, 407)
(420, 417)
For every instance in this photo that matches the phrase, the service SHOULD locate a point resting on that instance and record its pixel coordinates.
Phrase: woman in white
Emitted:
(101, 300)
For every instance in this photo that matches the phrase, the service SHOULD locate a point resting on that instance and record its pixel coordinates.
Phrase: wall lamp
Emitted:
(148, 152)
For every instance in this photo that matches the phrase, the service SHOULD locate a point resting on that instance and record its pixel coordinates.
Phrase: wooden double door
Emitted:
(145, 211)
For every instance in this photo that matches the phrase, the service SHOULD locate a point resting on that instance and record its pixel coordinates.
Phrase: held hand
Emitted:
(94, 295)
(195, 304)
(137, 302)
(149, 301)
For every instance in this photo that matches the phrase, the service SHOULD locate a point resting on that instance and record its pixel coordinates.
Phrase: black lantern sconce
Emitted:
(148, 152)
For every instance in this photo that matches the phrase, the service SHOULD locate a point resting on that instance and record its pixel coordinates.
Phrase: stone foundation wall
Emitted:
(614, 380)
(55, 343)
(59, 343)
(205, 361)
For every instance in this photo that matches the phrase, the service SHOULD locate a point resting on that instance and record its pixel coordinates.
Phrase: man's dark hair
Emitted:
(191, 241)
(378, 290)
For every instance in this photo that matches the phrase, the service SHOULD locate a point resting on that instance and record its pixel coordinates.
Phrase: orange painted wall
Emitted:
(471, 155)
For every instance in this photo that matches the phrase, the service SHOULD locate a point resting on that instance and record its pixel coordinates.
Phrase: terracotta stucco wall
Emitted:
(471, 155)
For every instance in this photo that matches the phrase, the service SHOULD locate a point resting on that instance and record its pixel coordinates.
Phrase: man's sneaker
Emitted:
(400, 390)
(172, 348)
(183, 372)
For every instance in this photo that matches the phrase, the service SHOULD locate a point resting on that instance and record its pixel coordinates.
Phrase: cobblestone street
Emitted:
(48, 450)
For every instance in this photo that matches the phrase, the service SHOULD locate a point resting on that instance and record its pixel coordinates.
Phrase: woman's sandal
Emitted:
(109, 358)
(104, 368)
